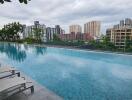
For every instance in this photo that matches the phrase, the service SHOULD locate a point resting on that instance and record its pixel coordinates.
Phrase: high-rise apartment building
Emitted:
(58, 29)
(124, 23)
(93, 28)
(128, 22)
(75, 29)
(29, 31)
(49, 33)
(36, 23)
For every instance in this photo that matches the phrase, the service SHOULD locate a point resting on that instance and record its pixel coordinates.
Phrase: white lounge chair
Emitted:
(11, 86)
(6, 69)
(10, 70)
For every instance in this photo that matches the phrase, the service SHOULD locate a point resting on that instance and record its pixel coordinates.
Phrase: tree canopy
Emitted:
(10, 32)
(37, 33)
(21, 1)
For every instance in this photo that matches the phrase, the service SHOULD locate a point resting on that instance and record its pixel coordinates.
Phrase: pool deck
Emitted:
(40, 93)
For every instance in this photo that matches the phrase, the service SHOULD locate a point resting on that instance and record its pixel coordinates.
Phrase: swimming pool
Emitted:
(73, 74)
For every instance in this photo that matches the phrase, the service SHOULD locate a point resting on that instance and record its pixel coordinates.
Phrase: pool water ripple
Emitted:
(73, 74)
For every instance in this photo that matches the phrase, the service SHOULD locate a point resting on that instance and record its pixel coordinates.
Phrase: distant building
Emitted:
(110, 34)
(67, 37)
(116, 26)
(119, 35)
(29, 31)
(36, 23)
(73, 36)
(124, 23)
(62, 31)
(87, 37)
(49, 33)
(23, 30)
(93, 28)
(128, 22)
(75, 29)
(58, 29)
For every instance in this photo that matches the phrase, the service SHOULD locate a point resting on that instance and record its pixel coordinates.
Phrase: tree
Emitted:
(128, 44)
(56, 38)
(10, 32)
(37, 33)
(103, 44)
(21, 1)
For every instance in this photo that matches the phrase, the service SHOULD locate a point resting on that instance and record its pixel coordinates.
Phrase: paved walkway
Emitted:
(40, 93)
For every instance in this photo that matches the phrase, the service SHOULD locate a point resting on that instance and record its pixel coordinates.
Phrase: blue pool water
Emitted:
(73, 74)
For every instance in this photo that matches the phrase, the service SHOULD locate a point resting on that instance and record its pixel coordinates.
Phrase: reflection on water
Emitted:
(40, 50)
(17, 52)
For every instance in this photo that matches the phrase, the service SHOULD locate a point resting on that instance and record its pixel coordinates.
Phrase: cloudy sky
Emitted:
(66, 12)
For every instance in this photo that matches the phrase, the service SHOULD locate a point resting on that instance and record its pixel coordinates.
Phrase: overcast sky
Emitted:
(66, 12)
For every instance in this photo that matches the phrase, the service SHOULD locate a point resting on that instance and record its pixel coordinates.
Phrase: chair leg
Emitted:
(13, 72)
(18, 74)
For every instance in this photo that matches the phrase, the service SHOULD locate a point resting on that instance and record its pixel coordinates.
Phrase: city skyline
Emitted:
(66, 12)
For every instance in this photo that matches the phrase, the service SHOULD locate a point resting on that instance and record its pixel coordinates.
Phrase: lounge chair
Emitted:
(12, 86)
(8, 71)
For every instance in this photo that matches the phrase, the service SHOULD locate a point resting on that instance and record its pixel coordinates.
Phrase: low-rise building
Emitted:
(119, 35)
(67, 37)
(73, 36)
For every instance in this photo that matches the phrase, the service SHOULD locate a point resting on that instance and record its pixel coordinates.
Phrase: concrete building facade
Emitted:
(119, 35)
(75, 29)
(93, 28)
(49, 33)
(29, 31)
(58, 29)
(73, 37)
